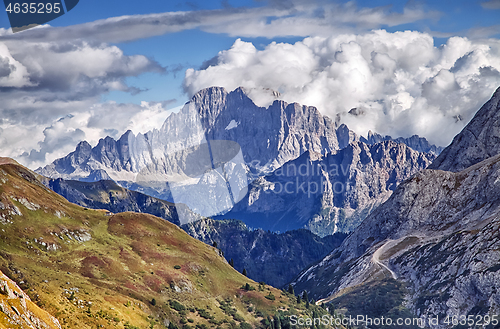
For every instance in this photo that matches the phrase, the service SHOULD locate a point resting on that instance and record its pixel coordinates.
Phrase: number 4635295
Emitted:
(471, 320)
(33, 8)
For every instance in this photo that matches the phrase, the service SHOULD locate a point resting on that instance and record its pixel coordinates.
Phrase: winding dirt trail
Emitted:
(376, 259)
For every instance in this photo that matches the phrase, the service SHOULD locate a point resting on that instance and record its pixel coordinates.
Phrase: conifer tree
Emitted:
(277, 322)
(290, 289)
(244, 272)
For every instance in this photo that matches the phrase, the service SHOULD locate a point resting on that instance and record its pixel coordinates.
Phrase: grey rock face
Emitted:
(345, 136)
(328, 193)
(478, 141)
(437, 233)
(267, 137)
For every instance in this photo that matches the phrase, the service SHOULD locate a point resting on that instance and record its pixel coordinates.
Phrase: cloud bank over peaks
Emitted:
(51, 97)
(60, 137)
(392, 83)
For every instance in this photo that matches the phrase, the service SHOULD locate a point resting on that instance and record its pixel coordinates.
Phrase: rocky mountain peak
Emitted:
(345, 136)
(210, 102)
(83, 146)
(82, 152)
(479, 140)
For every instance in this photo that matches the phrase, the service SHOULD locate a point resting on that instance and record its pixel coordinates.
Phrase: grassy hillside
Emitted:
(93, 269)
(366, 299)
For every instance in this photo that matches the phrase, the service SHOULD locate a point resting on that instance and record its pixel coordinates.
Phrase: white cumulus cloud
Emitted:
(50, 142)
(51, 97)
(399, 83)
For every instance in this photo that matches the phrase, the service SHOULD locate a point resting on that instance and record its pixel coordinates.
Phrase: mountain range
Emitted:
(415, 142)
(423, 243)
(221, 145)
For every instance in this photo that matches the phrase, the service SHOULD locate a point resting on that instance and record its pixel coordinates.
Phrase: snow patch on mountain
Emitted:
(232, 124)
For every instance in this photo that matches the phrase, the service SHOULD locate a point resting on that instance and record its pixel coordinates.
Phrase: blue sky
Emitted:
(190, 48)
(61, 81)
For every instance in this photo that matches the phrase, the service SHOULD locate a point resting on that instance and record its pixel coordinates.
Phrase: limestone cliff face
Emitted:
(18, 311)
(438, 233)
(479, 140)
(204, 155)
(329, 193)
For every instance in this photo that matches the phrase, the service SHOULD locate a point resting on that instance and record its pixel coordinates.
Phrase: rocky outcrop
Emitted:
(345, 136)
(268, 257)
(18, 311)
(478, 141)
(416, 142)
(329, 193)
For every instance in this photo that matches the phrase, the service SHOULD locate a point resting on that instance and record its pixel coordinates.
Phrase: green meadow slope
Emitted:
(91, 268)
